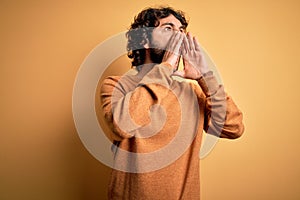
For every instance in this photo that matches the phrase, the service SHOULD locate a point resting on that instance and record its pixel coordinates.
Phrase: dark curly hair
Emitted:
(140, 33)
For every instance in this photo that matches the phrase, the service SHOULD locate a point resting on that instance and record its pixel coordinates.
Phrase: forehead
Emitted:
(170, 19)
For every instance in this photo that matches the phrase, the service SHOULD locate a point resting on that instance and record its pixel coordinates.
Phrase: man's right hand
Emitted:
(172, 53)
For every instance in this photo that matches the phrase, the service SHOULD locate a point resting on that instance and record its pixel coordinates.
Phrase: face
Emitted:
(161, 36)
(165, 29)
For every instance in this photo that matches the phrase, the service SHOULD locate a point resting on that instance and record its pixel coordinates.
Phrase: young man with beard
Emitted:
(157, 121)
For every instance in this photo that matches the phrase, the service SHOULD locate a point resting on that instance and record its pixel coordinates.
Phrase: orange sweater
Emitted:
(157, 125)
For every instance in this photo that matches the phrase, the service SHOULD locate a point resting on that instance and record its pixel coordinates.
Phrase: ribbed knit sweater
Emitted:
(157, 124)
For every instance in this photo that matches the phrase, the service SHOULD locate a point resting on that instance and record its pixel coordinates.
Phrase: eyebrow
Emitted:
(171, 24)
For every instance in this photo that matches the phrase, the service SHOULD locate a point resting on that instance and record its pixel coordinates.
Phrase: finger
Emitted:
(186, 45)
(175, 43)
(181, 50)
(191, 42)
(178, 43)
(197, 45)
(171, 41)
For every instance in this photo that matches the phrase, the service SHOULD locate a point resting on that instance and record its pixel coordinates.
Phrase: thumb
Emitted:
(179, 73)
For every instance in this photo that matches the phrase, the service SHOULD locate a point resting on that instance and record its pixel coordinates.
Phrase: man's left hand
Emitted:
(193, 59)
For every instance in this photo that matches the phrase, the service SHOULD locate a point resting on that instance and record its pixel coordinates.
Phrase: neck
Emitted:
(147, 66)
(148, 57)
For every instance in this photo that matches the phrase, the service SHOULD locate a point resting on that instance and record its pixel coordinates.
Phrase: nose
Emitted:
(176, 28)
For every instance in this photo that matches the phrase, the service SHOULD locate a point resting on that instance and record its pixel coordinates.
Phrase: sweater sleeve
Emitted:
(128, 112)
(222, 117)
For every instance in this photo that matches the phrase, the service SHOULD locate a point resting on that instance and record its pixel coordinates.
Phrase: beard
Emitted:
(156, 55)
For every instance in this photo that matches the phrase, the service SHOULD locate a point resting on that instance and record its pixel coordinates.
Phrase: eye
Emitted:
(167, 28)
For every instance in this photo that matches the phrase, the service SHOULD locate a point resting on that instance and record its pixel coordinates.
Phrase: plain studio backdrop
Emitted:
(255, 45)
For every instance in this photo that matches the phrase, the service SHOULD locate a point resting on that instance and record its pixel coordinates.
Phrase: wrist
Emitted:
(204, 69)
(169, 65)
(205, 74)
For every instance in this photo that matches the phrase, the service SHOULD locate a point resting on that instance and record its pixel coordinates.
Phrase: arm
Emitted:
(222, 116)
(128, 113)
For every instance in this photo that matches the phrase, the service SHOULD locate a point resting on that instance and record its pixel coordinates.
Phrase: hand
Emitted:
(172, 53)
(193, 59)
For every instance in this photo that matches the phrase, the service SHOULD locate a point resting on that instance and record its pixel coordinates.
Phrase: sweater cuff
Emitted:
(208, 83)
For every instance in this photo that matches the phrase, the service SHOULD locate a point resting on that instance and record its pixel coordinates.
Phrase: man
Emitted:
(157, 121)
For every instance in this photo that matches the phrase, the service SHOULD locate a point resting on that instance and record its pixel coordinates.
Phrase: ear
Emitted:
(146, 46)
(147, 43)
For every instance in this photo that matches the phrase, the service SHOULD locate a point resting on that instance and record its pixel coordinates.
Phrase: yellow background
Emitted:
(254, 43)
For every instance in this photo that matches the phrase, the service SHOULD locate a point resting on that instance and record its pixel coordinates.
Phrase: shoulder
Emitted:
(111, 80)
(124, 83)
(109, 83)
